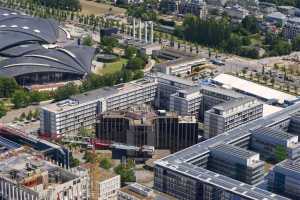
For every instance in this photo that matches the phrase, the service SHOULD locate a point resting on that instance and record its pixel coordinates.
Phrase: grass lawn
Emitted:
(110, 68)
(92, 7)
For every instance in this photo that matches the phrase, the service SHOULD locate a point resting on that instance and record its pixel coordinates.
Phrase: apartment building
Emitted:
(237, 163)
(141, 126)
(25, 175)
(266, 141)
(228, 115)
(68, 116)
(186, 102)
(284, 179)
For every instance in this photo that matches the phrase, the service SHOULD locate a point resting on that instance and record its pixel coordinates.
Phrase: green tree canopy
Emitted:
(135, 63)
(280, 153)
(7, 86)
(66, 91)
(130, 52)
(2, 109)
(87, 40)
(105, 163)
(20, 99)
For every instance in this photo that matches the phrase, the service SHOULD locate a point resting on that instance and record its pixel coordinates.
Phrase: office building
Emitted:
(228, 115)
(68, 116)
(267, 140)
(237, 163)
(141, 126)
(186, 102)
(25, 175)
(186, 174)
(284, 179)
(137, 191)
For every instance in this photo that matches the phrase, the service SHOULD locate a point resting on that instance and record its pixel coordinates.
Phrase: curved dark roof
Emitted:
(17, 28)
(74, 60)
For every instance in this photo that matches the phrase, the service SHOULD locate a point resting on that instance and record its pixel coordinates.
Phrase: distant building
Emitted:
(195, 7)
(236, 12)
(181, 66)
(137, 191)
(292, 28)
(284, 179)
(277, 18)
(229, 115)
(141, 126)
(287, 10)
(168, 6)
(267, 8)
(237, 163)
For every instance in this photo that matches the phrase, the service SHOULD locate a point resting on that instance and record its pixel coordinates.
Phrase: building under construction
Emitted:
(25, 175)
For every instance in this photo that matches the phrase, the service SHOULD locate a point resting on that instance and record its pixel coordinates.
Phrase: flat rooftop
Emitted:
(181, 161)
(289, 167)
(272, 133)
(181, 61)
(171, 78)
(233, 151)
(97, 94)
(235, 103)
(252, 88)
(220, 90)
(144, 193)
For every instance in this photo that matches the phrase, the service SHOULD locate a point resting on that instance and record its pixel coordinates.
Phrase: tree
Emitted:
(109, 43)
(2, 109)
(20, 99)
(84, 132)
(280, 153)
(250, 23)
(281, 47)
(130, 52)
(135, 63)
(74, 162)
(88, 41)
(105, 163)
(7, 86)
(296, 43)
(66, 91)
(89, 157)
(126, 173)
